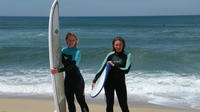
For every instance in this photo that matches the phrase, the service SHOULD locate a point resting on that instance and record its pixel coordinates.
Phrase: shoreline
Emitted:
(46, 104)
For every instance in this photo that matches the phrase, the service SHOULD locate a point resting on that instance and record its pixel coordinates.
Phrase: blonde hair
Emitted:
(74, 35)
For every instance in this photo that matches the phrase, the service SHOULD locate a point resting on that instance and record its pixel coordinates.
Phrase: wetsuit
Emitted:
(116, 79)
(74, 82)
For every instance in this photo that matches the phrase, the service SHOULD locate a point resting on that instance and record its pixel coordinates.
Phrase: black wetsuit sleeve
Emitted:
(125, 71)
(98, 74)
(67, 62)
(61, 69)
(127, 67)
(103, 65)
(68, 67)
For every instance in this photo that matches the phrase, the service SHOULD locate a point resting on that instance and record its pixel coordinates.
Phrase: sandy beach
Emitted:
(46, 105)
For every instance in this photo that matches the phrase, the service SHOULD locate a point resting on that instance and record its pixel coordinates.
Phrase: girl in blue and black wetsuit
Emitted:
(74, 82)
(120, 62)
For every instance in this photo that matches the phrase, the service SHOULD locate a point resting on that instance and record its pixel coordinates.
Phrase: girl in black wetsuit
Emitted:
(120, 62)
(74, 82)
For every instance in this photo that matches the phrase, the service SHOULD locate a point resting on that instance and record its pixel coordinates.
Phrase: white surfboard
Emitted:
(55, 58)
(100, 82)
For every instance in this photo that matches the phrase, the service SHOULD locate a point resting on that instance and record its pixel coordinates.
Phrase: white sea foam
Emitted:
(166, 88)
(163, 88)
(35, 89)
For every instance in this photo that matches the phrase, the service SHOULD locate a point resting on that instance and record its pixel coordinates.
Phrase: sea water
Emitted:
(165, 50)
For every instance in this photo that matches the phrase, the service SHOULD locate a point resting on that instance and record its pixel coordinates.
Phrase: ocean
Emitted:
(165, 49)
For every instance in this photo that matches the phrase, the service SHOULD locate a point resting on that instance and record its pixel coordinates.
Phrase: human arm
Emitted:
(103, 65)
(128, 63)
(77, 57)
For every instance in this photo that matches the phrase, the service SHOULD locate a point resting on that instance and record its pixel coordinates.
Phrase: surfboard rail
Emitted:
(100, 82)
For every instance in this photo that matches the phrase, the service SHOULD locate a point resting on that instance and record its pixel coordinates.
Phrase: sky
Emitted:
(101, 7)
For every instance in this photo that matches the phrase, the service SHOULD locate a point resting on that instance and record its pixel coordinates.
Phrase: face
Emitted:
(118, 45)
(71, 41)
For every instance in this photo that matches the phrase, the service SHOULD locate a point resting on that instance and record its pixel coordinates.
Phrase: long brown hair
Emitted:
(119, 39)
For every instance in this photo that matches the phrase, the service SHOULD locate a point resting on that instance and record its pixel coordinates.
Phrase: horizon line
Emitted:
(110, 16)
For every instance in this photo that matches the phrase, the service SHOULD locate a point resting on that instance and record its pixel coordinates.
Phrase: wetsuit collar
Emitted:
(119, 53)
(72, 48)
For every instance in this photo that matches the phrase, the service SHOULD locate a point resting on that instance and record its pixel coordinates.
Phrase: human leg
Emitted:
(122, 97)
(109, 92)
(80, 96)
(81, 100)
(69, 93)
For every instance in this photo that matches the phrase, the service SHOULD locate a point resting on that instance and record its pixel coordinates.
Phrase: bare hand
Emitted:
(111, 63)
(54, 71)
(93, 84)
